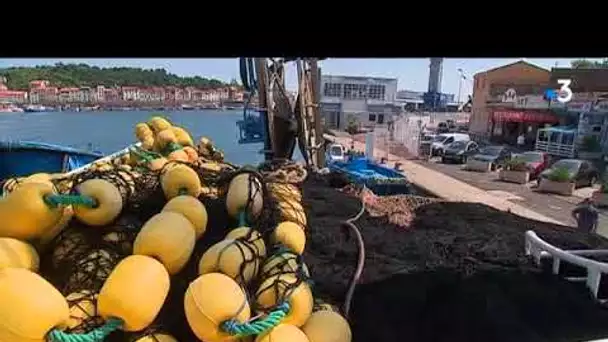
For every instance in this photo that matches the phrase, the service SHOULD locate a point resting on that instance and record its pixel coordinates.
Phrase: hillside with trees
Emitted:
(80, 75)
(587, 64)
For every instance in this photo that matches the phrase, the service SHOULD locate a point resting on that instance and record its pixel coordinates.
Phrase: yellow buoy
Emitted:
(284, 263)
(251, 236)
(66, 217)
(286, 287)
(244, 194)
(182, 136)
(108, 202)
(157, 164)
(134, 292)
(158, 124)
(157, 338)
(166, 137)
(25, 215)
(83, 309)
(19, 254)
(192, 154)
(193, 209)
(327, 326)
(283, 333)
(290, 235)
(180, 180)
(30, 308)
(148, 143)
(143, 131)
(212, 299)
(169, 237)
(234, 258)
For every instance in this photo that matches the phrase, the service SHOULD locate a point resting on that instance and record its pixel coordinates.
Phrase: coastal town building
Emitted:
(11, 96)
(501, 110)
(368, 101)
(43, 92)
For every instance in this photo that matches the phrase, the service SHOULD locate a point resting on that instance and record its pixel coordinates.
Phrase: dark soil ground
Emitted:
(458, 273)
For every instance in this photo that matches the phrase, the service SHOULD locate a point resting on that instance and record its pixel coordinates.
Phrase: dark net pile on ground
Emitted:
(458, 273)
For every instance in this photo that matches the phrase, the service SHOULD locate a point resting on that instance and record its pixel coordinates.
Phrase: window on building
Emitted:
(376, 91)
(332, 89)
(355, 91)
(372, 117)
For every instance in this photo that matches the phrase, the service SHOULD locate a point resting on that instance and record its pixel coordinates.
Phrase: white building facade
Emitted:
(369, 101)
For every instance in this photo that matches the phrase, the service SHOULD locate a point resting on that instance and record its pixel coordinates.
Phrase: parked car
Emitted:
(335, 152)
(582, 172)
(441, 142)
(443, 127)
(536, 162)
(459, 151)
(494, 154)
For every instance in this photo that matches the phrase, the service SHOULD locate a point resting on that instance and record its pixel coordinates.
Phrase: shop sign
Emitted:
(523, 116)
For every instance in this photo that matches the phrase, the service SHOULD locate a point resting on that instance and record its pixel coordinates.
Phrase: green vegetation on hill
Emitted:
(76, 75)
(587, 64)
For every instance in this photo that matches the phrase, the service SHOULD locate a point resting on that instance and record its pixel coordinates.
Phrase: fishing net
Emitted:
(458, 273)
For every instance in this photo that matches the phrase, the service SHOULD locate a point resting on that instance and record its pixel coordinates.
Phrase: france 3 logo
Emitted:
(561, 95)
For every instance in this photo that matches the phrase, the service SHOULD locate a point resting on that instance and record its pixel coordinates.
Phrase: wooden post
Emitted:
(261, 67)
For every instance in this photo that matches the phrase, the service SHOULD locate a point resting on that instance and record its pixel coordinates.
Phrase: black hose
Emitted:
(360, 260)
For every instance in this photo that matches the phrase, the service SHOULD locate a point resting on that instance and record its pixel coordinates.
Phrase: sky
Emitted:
(412, 73)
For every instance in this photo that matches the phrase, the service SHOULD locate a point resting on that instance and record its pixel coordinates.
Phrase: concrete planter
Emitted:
(478, 166)
(600, 198)
(561, 188)
(519, 177)
(590, 155)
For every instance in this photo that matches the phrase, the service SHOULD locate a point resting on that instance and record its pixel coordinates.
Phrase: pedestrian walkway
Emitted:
(447, 187)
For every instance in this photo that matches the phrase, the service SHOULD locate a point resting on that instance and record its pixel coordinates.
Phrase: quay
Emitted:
(446, 187)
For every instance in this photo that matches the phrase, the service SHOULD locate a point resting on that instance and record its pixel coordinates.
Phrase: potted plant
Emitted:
(557, 182)
(515, 170)
(590, 148)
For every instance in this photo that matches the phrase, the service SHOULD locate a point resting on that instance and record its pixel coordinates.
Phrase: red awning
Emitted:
(531, 117)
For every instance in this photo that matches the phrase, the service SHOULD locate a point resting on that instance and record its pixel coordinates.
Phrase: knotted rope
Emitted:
(257, 327)
(78, 200)
(96, 335)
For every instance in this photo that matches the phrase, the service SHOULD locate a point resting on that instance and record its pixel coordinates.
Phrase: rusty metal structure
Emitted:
(282, 122)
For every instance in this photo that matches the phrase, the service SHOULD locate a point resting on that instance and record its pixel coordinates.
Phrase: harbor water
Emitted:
(108, 132)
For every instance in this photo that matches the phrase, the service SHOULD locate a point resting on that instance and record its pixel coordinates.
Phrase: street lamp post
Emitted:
(461, 77)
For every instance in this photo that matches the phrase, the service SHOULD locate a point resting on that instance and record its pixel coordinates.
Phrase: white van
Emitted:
(441, 141)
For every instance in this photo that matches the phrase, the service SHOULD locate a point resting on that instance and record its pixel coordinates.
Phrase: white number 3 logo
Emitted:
(565, 93)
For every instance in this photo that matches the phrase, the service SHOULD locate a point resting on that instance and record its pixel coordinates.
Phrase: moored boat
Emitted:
(19, 158)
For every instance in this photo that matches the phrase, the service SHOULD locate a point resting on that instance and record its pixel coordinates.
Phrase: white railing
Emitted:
(556, 149)
(540, 249)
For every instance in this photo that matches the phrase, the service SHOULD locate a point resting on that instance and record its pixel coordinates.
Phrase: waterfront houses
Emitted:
(43, 92)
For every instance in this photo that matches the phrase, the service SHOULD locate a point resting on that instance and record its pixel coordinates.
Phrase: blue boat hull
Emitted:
(18, 159)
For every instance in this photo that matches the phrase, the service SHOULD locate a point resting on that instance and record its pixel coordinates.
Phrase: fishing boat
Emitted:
(35, 109)
(20, 158)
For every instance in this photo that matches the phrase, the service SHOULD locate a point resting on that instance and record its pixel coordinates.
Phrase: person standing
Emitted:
(521, 141)
(586, 216)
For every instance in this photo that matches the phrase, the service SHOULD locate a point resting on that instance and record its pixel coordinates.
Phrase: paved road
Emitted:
(555, 206)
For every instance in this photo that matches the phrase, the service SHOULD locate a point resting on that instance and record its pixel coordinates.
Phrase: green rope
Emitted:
(259, 327)
(97, 335)
(143, 155)
(79, 200)
(242, 218)
(171, 147)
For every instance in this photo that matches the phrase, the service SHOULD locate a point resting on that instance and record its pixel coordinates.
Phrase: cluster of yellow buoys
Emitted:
(216, 304)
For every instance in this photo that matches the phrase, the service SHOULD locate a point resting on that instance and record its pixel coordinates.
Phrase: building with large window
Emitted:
(368, 101)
